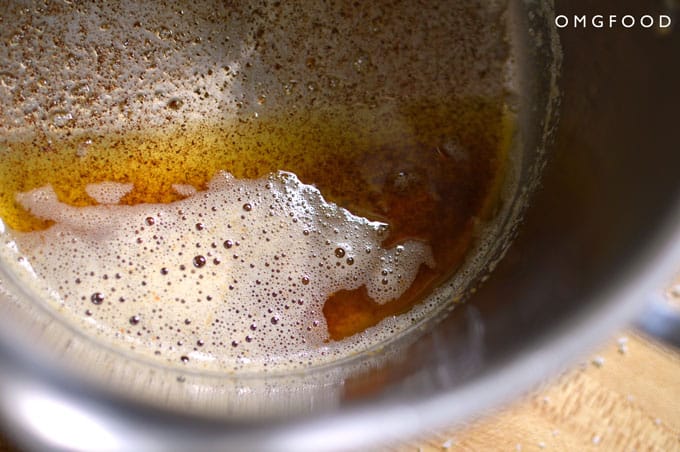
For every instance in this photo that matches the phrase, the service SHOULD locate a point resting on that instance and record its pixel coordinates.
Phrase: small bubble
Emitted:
(350, 260)
(61, 118)
(339, 252)
(164, 271)
(81, 151)
(247, 207)
(97, 298)
(187, 321)
(275, 320)
(200, 343)
(384, 281)
(228, 244)
(234, 343)
(199, 226)
(134, 320)
(175, 103)
(305, 280)
(150, 221)
(184, 359)
(199, 261)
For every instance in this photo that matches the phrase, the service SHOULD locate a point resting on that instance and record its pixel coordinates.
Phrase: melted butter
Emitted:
(430, 170)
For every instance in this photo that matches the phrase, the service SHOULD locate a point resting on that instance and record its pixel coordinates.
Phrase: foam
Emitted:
(108, 192)
(234, 277)
(184, 189)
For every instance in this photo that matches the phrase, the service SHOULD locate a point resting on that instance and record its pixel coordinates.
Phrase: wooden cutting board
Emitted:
(625, 397)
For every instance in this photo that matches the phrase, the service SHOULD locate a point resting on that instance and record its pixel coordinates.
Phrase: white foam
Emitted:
(184, 189)
(232, 277)
(108, 192)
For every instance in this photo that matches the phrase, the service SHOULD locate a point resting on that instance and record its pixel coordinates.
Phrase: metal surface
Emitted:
(602, 233)
(660, 321)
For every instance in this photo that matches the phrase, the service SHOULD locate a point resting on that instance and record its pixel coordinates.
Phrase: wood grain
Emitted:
(626, 397)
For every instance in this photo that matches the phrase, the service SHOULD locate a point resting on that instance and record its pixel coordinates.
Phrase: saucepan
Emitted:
(590, 224)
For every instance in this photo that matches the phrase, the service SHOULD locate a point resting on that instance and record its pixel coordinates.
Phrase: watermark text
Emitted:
(612, 21)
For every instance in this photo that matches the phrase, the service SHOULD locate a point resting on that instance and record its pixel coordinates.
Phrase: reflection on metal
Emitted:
(661, 321)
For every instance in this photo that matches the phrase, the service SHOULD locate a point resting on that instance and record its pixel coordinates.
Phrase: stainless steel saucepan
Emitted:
(596, 189)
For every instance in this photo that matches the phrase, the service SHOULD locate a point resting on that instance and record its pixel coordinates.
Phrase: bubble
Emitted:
(83, 146)
(199, 261)
(97, 298)
(61, 118)
(175, 103)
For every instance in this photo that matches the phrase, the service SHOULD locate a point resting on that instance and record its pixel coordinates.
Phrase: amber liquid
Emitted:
(431, 170)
